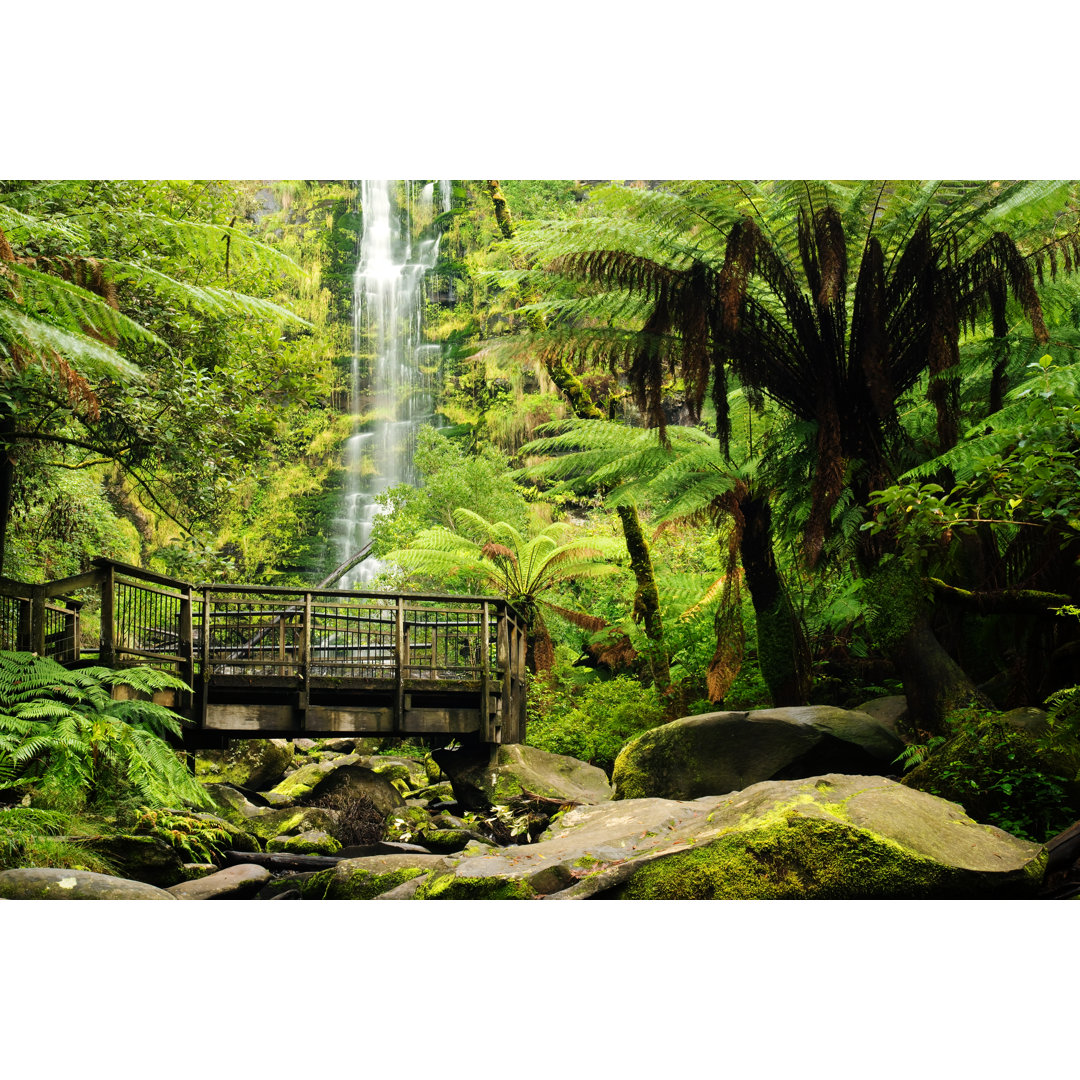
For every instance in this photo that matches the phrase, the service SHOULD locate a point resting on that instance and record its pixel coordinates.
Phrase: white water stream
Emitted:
(390, 395)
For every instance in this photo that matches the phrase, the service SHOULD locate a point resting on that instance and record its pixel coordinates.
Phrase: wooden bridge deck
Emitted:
(288, 662)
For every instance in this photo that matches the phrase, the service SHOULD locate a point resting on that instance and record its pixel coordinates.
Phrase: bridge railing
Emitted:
(275, 636)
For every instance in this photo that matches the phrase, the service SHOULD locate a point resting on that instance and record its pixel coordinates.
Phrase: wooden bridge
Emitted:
(288, 662)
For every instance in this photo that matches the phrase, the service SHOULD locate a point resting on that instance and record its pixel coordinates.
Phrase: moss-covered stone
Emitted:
(795, 858)
(451, 887)
(356, 885)
(408, 824)
(516, 771)
(251, 763)
(714, 753)
(309, 842)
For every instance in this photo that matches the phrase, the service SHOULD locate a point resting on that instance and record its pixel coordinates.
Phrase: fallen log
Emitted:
(279, 861)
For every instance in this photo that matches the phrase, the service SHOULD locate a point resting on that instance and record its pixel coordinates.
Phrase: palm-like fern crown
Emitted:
(498, 555)
(833, 299)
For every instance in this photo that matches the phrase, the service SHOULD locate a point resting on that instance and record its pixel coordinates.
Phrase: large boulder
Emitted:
(827, 837)
(840, 838)
(516, 772)
(43, 883)
(343, 777)
(715, 753)
(251, 763)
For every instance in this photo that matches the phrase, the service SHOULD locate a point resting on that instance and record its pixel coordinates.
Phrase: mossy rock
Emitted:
(715, 753)
(793, 859)
(251, 763)
(141, 858)
(43, 883)
(268, 824)
(303, 780)
(516, 771)
(337, 778)
(452, 887)
(309, 842)
(368, 877)
(408, 824)
(839, 838)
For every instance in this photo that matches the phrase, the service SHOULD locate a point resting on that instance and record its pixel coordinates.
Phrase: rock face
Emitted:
(827, 837)
(517, 771)
(48, 884)
(720, 752)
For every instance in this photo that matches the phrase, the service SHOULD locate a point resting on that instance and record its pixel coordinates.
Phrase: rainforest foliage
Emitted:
(726, 444)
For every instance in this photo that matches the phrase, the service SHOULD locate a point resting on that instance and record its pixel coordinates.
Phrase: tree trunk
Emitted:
(934, 683)
(574, 389)
(7, 481)
(646, 598)
(782, 651)
(502, 211)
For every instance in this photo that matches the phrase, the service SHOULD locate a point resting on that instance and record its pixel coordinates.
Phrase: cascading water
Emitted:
(390, 395)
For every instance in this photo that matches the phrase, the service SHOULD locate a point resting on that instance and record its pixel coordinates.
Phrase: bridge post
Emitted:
(187, 639)
(401, 658)
(107, 641)
(37, 620)
(304, 659)
(487, 732)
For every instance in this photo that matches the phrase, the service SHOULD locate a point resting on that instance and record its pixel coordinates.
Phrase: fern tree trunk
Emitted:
(782, 650)
(934, 683)
(646, 598)
(502, 211)
(7, 481)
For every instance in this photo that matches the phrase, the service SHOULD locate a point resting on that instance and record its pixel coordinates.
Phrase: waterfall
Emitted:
(390, 395)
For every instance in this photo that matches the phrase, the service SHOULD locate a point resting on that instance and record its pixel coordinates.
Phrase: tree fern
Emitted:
(63, 733)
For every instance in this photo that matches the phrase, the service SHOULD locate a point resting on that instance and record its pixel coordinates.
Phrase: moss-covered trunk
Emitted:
(646, 597)
(934, 683)
(502, 211)
(783, 655)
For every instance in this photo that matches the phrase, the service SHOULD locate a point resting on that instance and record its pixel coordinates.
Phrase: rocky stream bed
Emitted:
(782, 803)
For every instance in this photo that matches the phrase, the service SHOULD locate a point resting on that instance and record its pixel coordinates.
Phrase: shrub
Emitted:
(589, 718)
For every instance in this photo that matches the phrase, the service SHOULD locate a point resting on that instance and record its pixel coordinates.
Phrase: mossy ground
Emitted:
(794, 858)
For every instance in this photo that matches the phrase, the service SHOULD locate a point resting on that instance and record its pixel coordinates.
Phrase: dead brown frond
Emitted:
(493, 550)
(76, 388)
